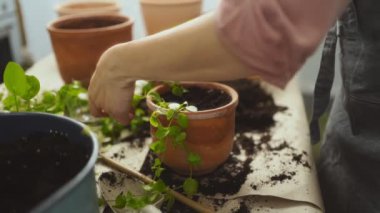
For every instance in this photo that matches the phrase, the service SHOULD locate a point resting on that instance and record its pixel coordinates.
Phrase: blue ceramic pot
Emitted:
(78, 194)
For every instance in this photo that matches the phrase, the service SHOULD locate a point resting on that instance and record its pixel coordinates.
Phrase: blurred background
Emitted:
(24, 38)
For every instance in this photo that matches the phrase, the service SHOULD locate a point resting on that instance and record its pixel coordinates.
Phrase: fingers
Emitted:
(121, 116)
(110, 95)
(97, 112)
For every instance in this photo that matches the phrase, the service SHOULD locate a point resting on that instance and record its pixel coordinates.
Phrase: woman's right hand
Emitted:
(110, 91)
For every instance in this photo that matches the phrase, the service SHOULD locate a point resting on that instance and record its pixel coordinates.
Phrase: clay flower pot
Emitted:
(71, 8)
(163, 14)
(79, 40)
(210, 133)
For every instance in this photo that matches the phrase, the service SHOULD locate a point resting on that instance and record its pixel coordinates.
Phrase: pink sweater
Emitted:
(274, 37)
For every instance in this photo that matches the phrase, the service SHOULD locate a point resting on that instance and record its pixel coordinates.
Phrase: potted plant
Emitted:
(47, 160)
(73, 7)
(192, 125)
(79, 40)
(163, 14)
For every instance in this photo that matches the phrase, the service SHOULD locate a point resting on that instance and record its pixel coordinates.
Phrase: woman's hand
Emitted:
(110, 91)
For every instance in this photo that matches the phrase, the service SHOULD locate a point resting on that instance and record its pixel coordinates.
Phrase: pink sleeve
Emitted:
(274, 37)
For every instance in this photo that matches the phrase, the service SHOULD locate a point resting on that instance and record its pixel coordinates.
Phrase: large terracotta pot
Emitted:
(163, 14)
(71, 8)
(210, 133)
(79, 40)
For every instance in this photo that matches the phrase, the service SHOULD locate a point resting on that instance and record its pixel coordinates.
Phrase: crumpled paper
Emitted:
(283, 176)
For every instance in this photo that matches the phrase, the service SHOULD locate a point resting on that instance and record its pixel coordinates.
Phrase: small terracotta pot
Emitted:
(163, 14)
(71, 8)
(210, 133)
(79, 40)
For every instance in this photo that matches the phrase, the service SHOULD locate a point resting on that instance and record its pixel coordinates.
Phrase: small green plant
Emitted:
(22, 88)
(141, 117)
(70, 100)
(174, 132)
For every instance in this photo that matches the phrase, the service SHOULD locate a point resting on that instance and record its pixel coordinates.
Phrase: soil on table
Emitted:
(256, 107)
(202, 98)
(34, 167)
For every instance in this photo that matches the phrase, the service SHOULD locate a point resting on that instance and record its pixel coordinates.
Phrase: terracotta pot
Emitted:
(163, 14)
(79, 40)
(71, 8)
(210, 133)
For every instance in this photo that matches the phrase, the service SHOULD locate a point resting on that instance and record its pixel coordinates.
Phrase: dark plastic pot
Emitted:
(78, 194)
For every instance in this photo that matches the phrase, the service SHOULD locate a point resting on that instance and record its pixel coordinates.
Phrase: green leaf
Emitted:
(178, 90)
(153, 197)
(180, 138)
(162, 132)
(147, 87)
(157, 168)
(155, 97)
(9, 103)
(147, 187)
(136, 100)
(33, 87)
(183, 120)
(194, 159)
(157, 162)
(190, 186)
(169, 114)
(154, 119)
(139, 112)
(49, 97)
(120, 201)
(159, 186)
(14, 79)
(158, 147)
(174, 131)
(135, 202)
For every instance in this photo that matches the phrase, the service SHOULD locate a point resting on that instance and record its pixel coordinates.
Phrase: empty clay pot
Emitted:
(163, 14)
(71, 8)
(210, 133)
(79, 40)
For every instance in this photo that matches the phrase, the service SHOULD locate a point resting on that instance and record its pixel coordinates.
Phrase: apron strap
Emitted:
(324, 83)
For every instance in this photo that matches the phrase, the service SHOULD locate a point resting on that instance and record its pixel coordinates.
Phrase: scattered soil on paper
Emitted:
(255, 113)
(256, 107)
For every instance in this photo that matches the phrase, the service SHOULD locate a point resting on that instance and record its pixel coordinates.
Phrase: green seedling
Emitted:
(22, 88)
(175, 133)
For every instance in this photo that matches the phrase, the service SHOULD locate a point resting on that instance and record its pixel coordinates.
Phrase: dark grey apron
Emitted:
(349, 167)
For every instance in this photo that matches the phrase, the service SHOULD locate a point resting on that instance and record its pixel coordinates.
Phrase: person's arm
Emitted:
(275, 37)
(190, 52)
(269, 38)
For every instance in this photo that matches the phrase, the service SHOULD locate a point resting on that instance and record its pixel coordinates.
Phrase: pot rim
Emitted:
(203, 114)
(52, 25)
(169, 2)
(78, 178)
(65, 8)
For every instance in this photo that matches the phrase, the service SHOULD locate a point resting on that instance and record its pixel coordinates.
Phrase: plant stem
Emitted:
(183, 199)
(16, 102)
